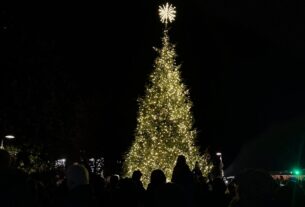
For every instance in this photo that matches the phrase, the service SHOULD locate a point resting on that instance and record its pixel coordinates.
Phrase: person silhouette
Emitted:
(80, 193)
(196, 171)
(183, 178)
(138, 185)
(182, 174)
(157, 183)
(14, 188)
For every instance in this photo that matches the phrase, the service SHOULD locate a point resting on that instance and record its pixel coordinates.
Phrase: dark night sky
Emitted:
(74, 72)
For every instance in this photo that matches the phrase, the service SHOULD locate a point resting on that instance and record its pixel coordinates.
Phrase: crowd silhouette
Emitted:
(188, 188)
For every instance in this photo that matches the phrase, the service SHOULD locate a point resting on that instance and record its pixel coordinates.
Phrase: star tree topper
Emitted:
(167, 13)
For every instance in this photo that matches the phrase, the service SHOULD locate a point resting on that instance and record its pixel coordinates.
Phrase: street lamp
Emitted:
(220, 164)
(7, 137)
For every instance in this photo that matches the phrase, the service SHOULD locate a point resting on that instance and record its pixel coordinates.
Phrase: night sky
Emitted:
(71, 74)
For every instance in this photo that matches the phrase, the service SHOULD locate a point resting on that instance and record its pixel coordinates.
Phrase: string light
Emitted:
(164, 123)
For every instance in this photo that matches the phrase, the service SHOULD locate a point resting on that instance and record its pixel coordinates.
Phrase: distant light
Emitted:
(218, 153)
(60, 162)
(10, 137)
(296, 171)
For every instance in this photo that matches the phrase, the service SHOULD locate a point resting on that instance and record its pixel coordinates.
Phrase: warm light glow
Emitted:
(165, 122)
(167, 13)
(10, 137)
(218, 153)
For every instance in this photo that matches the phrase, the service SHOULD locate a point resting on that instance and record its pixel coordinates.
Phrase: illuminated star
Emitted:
(167, 13)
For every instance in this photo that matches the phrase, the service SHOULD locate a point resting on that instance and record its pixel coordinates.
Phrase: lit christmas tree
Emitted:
(165, 123)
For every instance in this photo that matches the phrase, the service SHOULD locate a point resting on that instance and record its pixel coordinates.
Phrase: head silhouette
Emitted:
(255, 187)
(114, 180)
(157, 177)
(136, 175)
(181, 159)
(77, 175)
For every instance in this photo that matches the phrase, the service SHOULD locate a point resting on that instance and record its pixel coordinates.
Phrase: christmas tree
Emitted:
(164, 123)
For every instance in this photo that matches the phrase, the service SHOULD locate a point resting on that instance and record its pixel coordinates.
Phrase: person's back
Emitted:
(98, 186)
(80, 192)
(218, 196)
(291, 195)
(136, 178)
(139, 190)
(157, 182)
(171, 194)
(183, 177)
(113, 191)
(13, 184)
(255, 188)
(128, 193)
(231, 191)
(182, 174)
(196, 171)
